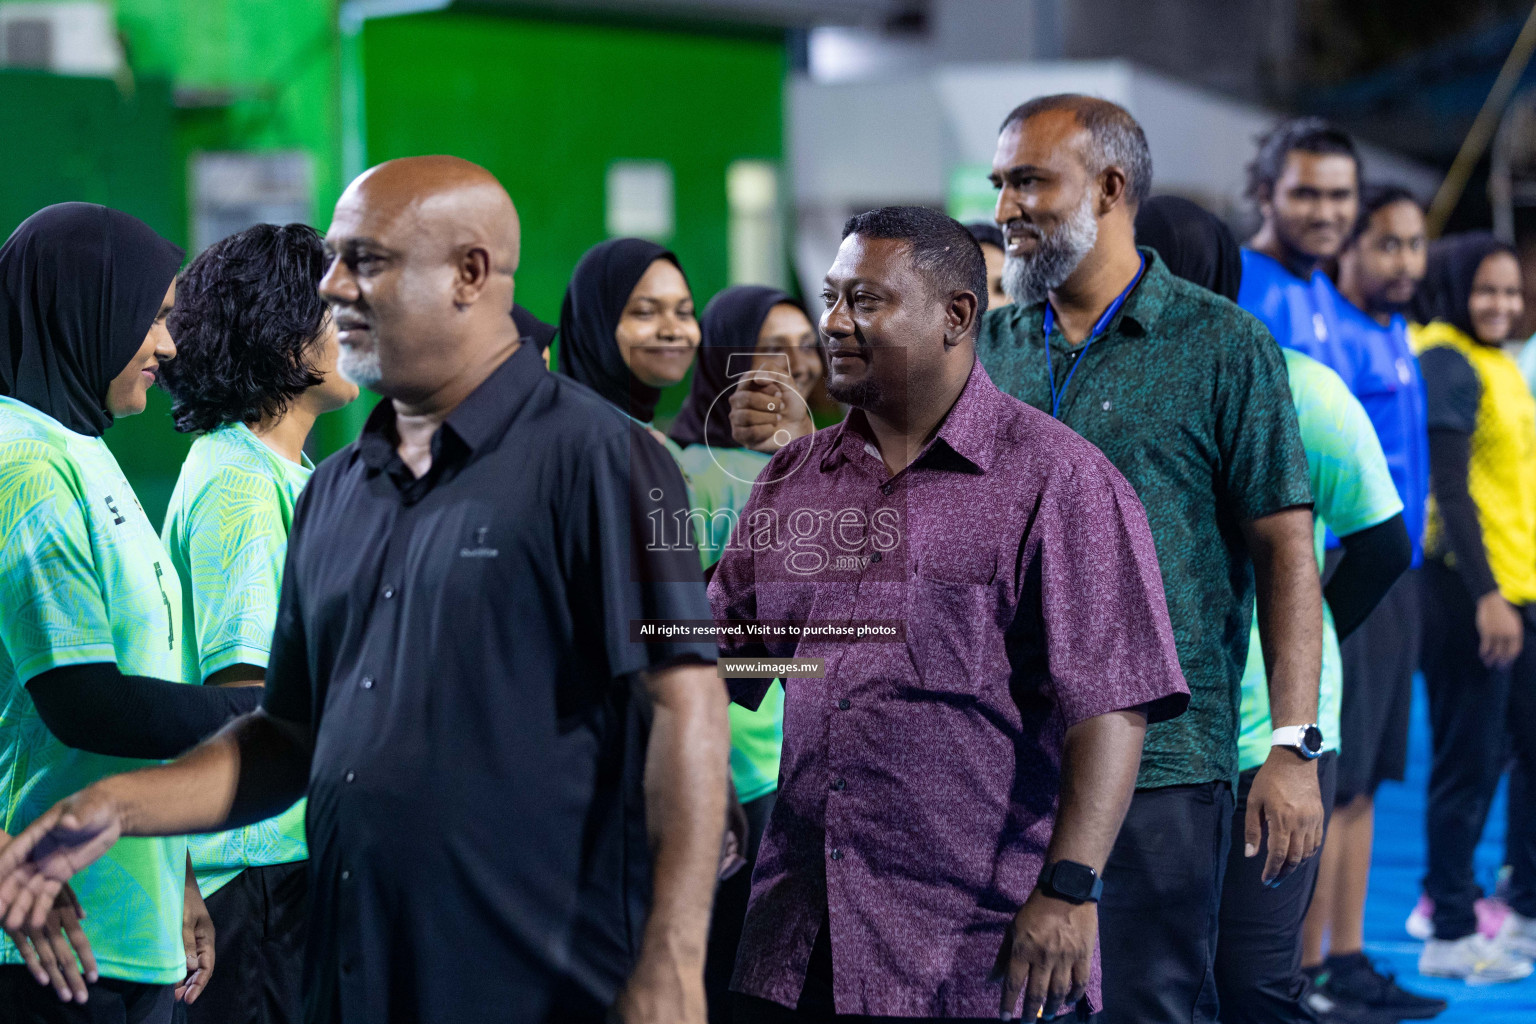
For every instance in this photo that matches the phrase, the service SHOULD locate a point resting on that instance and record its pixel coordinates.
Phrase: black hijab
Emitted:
(729, 325)
(1194, 243)
(80, 286)
(531, 328)
(594, 303)
(1446, 289)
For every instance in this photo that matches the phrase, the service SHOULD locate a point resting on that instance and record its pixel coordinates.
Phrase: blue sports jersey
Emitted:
(1388, 383)
(1289, 307)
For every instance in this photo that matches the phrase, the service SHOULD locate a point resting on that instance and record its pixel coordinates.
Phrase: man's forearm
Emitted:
(685, 795)
(1098, 778)
(253, 768)
(1290, 610)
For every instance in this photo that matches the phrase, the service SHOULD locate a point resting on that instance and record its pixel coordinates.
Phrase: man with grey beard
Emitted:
(1187, 395)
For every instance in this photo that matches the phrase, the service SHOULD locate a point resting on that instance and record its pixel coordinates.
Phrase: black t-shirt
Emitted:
(459, 646)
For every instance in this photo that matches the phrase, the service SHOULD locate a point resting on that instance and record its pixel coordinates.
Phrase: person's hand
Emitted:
(733, 848)
(58, 954)
(662, 991)
(63, 841)
(767, 414)
(1500, 633)
(197, 938)
(1047, 952)
(1284, 801)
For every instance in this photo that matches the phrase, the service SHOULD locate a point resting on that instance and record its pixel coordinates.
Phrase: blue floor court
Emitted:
(1396, 870)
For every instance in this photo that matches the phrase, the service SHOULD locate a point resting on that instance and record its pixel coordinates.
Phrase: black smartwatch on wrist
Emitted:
(1068, 880)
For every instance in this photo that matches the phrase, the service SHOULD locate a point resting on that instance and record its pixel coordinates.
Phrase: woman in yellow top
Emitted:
(1479, 602)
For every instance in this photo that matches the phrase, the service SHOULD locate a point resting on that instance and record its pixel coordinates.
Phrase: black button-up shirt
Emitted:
(459, 646)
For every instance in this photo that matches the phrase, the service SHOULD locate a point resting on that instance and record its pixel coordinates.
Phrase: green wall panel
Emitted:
(88, 140)
(547, 105)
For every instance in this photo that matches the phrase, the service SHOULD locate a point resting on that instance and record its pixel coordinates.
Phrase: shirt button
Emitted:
(887, 488)
(843, 704)
(367, 683)
(838, 784)
(350, 776)
(837, 854)
(345, 874)
(389, 592)
(875, 557)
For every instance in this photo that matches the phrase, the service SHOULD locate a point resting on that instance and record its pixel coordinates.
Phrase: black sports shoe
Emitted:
(1326, 1010)
(1353, 979)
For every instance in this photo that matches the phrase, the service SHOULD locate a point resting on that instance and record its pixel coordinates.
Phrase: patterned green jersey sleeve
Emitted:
(235, 539)
(1352, 486)
(52, 611)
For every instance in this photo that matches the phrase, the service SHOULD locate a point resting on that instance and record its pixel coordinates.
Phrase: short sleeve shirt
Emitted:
(1186, 394)
(1289, 306)
(1353, 491)
(459, 646)
(921, 775)
(84, 579)
(227, 534)
(1388, 382)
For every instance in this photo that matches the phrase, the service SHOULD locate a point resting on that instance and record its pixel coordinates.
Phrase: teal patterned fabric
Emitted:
(1353, 489)
(84, 579)
(1186, 394)
(719, 484)
(227, 534)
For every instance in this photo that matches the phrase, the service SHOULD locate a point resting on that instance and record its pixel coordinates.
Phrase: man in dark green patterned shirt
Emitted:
(1187, 395)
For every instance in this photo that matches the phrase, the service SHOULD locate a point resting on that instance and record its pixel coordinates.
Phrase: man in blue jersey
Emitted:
(1380, 267)
(1305, 181)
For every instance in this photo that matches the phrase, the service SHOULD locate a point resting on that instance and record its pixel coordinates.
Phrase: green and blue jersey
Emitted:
(84, 579)
(227, 534)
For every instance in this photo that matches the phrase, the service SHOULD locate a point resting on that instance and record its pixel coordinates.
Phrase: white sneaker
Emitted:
(1420, 925)
(1475, 959)
(1518, 935)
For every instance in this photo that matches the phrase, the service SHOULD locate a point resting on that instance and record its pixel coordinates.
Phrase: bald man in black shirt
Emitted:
(451, 678)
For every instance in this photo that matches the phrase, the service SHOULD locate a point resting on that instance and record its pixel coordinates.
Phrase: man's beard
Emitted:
(860, 394)
(1027, 279)
(360, 366)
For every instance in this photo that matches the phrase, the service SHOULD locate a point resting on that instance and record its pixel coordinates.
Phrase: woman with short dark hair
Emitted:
(256, 366)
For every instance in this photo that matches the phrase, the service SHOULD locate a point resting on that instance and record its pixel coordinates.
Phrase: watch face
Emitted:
(1313, 740)
(1071, 879)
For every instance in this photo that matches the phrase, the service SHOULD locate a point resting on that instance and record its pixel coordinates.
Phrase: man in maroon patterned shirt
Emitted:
(945, 799)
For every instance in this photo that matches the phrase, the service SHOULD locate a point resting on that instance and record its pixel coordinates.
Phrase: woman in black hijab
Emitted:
(627, 326)
(90, 607)
(1478, 593)
(1194, 243)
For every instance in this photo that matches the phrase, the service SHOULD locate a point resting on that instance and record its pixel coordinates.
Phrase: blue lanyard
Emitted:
(1103, 322)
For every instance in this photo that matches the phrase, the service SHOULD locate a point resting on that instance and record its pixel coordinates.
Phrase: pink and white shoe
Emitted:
(1491, 915)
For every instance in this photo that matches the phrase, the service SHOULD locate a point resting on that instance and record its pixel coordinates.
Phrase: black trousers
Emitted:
(259, 923)
(1258, 953)
(730, 914)
(1159, 913)
(24, 1001)
(816, 1006)
(1480, 717)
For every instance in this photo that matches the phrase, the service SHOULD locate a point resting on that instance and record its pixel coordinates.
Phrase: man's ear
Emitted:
(959, 317)
(473, 268)
(1112, 186)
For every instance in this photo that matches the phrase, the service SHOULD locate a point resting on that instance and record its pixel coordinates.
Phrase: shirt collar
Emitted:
(1142, 308)
(969, 428)
(478, 421)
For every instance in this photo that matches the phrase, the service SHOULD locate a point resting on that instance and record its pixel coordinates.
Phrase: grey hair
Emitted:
(1115, 139)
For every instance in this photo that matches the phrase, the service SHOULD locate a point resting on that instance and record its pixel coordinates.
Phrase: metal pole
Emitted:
(1483, 128)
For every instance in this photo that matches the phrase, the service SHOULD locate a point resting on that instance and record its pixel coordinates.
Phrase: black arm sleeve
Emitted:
(1450, 453)
(1373, 560)
(96, 708)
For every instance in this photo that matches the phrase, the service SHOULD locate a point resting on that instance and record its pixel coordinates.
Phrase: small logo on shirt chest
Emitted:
(479, 550)
(117, 517)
